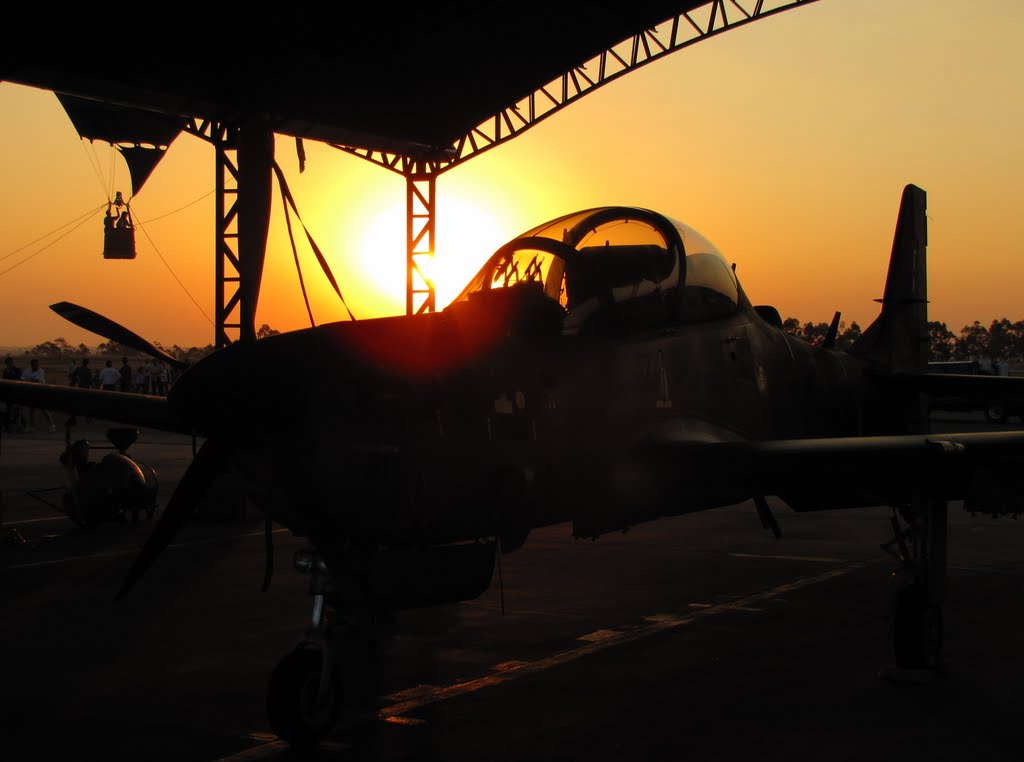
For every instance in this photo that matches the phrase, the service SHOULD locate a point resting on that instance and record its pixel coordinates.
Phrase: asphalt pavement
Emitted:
(694, 638)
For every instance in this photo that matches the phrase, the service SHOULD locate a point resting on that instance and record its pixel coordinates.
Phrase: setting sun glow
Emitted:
(787, 143)
(466, 236)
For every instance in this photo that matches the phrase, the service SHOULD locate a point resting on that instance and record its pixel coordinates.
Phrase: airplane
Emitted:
(604, 369)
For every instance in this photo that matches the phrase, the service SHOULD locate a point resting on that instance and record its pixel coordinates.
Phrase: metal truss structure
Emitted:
(674, 34)
(228, 269)
(421, 175)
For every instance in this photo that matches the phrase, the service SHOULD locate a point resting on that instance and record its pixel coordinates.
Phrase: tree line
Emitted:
(1002, 340)
(61, 349)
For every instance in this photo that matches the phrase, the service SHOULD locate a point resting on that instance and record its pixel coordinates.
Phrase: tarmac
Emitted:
(695, 638)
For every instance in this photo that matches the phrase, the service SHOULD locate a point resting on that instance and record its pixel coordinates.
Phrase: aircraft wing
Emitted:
(982, 468)
(134, 409)
(964, 385)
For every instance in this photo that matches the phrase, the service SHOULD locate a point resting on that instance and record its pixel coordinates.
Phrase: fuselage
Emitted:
(519, 405)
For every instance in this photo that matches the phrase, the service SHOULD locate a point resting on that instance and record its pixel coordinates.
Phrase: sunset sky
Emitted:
(786, 142)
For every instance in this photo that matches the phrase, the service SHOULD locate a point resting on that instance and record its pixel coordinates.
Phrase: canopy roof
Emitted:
(418, 78)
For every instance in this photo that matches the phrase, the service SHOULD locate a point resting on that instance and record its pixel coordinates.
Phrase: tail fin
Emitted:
(897, 342)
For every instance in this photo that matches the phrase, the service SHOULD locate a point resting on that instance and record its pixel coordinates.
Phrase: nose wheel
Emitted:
(303, 697)
(305, 693)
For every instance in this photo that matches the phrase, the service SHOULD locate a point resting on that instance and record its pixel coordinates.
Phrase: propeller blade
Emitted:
(108, 329)
(193, 485)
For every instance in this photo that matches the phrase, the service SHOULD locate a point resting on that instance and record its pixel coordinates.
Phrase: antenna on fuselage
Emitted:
(833, 333)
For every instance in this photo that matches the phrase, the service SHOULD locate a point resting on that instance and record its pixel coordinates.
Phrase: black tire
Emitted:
(916, 629)
(292, 699)
(995, 412)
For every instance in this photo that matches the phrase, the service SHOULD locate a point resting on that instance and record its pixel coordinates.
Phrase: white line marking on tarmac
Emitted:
(817, 559)
(428, 695)
(597, 635)
(134, 551)
(22, 522)
(411, 721)
(620, 638)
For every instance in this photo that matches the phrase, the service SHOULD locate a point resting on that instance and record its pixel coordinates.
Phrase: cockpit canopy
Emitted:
(615, 267)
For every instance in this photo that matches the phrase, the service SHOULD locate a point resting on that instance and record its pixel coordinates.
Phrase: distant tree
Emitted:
(190, 355)
(265, 330)
(814, 333)
(1000, 339)
(83, 350)
(57, 349)
(113, 349)
(972, 342)
(1015, 350)
(941, 341)
(847, 336)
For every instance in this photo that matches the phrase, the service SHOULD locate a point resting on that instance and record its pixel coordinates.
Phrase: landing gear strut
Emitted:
(305, 691)
(919, 543)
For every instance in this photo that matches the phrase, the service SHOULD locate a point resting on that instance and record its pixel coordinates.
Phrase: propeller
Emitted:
(201, 401)
(198, 477)
(107, 328)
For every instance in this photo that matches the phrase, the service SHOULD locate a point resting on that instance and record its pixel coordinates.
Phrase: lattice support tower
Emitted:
(420, 208)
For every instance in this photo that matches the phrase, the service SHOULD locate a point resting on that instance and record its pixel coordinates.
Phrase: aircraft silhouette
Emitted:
(604, 369)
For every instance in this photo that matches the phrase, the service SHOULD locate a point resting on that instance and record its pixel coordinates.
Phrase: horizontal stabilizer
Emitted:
(962, 385)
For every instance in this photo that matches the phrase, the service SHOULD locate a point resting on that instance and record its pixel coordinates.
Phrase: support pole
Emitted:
(255, 172)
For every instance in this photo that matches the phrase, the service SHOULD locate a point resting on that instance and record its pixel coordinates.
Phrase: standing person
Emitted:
(83, 375)
(36, 375)
(126, 375)
(142, 378)
(11, 415)
(110, 377)
(160, 379)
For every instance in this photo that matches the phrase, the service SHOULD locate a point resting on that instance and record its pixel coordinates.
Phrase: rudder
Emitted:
(897, 341)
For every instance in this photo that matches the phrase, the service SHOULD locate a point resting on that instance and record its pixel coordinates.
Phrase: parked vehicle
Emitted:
(997, 403)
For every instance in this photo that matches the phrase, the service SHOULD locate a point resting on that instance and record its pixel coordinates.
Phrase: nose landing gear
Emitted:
(305, 690)
(304, 696)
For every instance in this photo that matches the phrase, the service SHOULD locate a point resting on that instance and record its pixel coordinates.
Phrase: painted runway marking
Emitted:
(816, 559)
(411, 721)
(661, 618)
(598, 635)
(22, 522)
(135, 551)
(622, 637)
(408, 701)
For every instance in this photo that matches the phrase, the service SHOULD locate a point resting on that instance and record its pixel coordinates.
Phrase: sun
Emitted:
(465, 236)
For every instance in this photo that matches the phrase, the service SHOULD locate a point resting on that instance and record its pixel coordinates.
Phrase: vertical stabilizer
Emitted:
(897, 342)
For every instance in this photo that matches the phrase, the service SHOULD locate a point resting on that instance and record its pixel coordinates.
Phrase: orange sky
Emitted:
(786, 142)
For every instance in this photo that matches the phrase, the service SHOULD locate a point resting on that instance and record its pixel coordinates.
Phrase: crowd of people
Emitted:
(149, 377)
